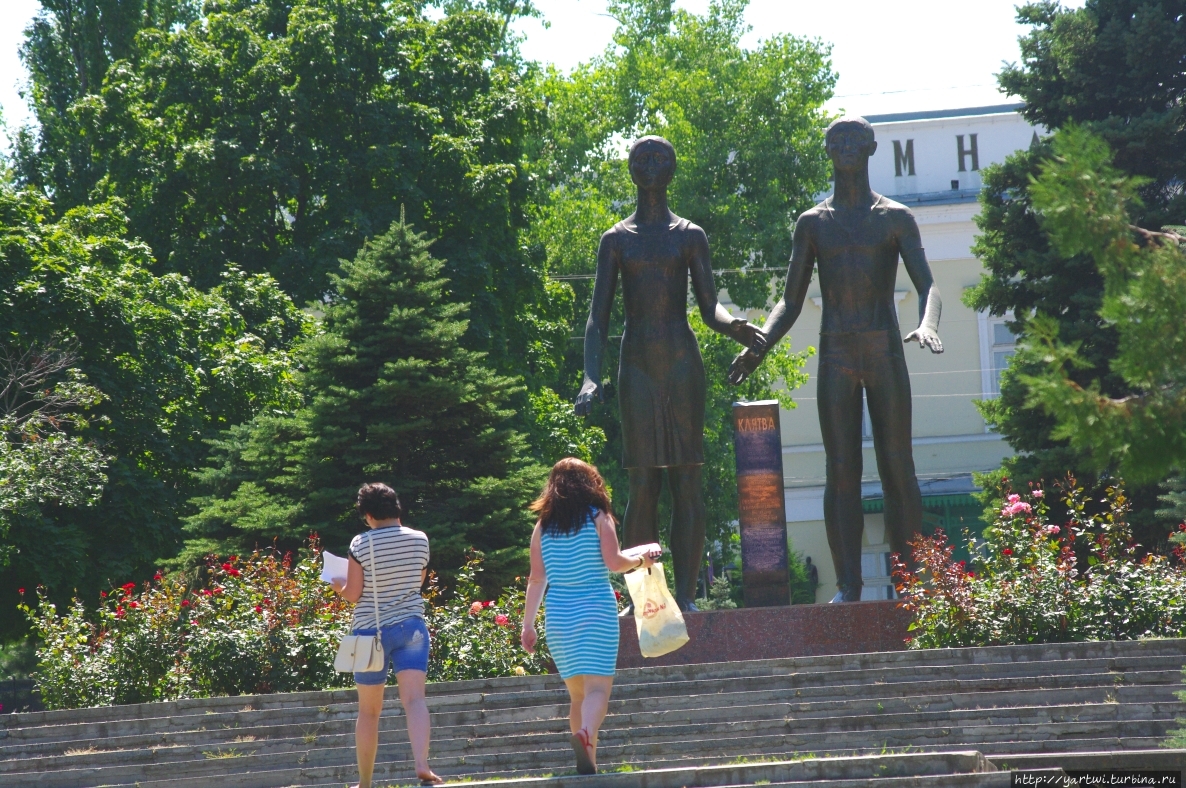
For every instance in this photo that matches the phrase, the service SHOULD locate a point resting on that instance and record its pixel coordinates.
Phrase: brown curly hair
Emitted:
(574, 487)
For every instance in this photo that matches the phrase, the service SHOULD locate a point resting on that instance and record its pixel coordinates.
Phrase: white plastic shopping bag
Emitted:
(661, 628)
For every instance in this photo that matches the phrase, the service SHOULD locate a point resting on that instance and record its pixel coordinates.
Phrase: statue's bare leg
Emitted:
(687, 529)
(888, 393)
(838, 393)
(641, 523)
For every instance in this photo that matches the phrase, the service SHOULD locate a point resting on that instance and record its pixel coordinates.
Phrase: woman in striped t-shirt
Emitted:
(573, 549)
(393, 560)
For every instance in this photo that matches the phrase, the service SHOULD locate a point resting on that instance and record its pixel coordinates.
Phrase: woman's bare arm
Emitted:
(536, 583)
(610, 550)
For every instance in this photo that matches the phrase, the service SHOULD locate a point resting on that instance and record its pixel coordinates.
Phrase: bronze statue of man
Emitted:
(855, 238)
(661, 385)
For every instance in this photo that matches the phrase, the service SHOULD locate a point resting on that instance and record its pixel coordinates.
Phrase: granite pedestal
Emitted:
(777, 632)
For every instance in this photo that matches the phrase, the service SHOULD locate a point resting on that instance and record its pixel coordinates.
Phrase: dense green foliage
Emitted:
(170, 366)
(1032, 581)
(1111, 66)
(1083, 203)
(392, 395)
(278, 135)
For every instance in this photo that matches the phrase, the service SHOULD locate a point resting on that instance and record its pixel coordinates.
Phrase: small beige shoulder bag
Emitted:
(363, 653)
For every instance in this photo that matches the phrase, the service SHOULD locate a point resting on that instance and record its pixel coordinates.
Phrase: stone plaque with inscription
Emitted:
(761, 501)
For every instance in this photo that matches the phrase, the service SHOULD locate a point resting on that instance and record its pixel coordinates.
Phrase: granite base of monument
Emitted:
(778, 632)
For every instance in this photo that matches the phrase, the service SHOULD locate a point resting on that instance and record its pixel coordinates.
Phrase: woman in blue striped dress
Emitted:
(573, 549)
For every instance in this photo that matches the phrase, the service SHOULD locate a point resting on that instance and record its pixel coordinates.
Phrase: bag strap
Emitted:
(374, 578)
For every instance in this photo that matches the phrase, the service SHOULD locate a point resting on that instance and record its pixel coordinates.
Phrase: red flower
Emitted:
(157, 576)
(617, 594)
(233, 558)
(119, 612)
(501, 620)
(21, 591)
(185, 603)
(487, 604)
(216, 590)
(205, 592)
(233, 572)
(129, 587)
(102, 594)
(133, 604)
(258, 609)
(971, 575)
(1006, 551)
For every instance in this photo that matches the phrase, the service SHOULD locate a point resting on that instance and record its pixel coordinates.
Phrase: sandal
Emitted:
(581, 747)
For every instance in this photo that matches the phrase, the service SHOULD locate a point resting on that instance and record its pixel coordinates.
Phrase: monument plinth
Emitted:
(757, 444)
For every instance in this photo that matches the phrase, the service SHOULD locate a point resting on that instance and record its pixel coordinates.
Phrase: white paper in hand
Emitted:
(643, 549)
(333, 567)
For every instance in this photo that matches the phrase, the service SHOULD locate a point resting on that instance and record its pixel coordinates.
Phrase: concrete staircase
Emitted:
(950, 717)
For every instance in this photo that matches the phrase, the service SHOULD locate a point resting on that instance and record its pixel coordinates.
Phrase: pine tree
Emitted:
(391, 396)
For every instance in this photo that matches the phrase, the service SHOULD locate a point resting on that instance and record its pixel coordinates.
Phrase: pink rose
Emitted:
(501, 620)
(1051, 529)
(475, 608)
(1014, 498)
(1038, 494)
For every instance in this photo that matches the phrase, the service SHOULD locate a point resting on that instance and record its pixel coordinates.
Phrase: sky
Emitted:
(890, 56)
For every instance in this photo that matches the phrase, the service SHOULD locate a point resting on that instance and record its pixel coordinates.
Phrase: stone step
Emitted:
(524, 753)
(476, 724)
(483, 690)
(817, 771)
(1141, 669)
(467, 740)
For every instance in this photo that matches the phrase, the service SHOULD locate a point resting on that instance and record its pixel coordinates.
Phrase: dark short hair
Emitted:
(379, 501)
(851, 120)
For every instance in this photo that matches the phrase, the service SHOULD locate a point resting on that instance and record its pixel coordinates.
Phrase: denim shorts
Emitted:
(405, 646)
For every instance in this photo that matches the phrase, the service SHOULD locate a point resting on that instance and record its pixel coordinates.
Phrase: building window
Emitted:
(997, 346)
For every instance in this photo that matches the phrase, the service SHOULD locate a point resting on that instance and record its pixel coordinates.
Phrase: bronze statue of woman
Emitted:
(661, 385)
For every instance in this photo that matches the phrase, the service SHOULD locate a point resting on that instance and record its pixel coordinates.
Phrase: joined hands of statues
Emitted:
(925, 337)
(745, 362)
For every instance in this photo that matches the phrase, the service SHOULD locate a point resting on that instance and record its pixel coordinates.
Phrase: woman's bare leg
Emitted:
(576, 694)
(411, 695)
(595, 705)
(366, 730)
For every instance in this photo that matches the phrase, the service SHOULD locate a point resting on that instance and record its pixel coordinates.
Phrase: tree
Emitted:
(1082, 201)
(390, 395)
(277, 135)
(1109, 66)
(174, 365)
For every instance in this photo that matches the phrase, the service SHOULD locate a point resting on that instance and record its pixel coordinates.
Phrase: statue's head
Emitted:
(652, 162)
(849, 142)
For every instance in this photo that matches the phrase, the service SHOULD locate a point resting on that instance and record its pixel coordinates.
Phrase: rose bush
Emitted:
(474, 638)
(1033, 581)
(263, 623)
(246, 625)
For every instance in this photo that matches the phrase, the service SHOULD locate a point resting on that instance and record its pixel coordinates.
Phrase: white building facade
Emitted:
(930, 162)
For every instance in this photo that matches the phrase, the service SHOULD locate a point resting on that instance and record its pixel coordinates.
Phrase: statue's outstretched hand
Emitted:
(744, 363)
(925, 337)
(584, 402)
